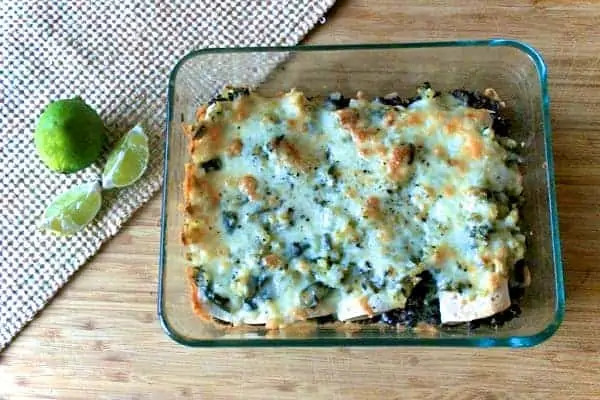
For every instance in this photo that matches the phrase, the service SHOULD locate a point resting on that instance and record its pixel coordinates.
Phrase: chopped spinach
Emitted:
(206, 288)
(260, 288)
(230, 220)
(326, 242)
(315, 293)
(265, 289)
(299, 248)
(480, 232)
(457, 286)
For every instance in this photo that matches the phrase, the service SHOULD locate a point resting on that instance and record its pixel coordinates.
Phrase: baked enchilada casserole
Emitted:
(301, 208)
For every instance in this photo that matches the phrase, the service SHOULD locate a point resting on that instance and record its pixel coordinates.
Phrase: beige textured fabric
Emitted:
(117, 55)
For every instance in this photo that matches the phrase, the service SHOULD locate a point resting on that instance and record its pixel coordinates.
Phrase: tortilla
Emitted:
(456, 307)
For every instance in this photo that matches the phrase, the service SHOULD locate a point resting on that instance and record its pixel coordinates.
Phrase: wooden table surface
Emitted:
(100, 337)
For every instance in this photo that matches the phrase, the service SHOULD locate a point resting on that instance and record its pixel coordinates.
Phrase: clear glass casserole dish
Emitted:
(515, 70)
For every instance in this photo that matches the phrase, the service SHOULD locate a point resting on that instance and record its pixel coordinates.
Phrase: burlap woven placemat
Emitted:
(116, 55)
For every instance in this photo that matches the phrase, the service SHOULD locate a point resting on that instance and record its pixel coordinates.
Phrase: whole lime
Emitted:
(69, 135)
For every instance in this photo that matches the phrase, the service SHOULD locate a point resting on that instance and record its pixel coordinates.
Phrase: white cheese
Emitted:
(340, 211)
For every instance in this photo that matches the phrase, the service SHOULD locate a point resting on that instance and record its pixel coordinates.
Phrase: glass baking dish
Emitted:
(514, 69)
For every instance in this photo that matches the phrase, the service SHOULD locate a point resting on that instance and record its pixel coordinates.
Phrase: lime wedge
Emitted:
(73, 209)
(128, 160)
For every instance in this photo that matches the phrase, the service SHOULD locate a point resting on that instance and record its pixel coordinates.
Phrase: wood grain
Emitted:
(100, 337)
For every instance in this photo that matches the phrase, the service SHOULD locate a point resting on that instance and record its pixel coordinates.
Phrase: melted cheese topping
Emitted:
(296, 210)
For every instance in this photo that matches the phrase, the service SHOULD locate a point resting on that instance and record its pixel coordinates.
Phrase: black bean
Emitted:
(499, 319)
(422, 305)
(386, 318)
(423, 301)
(393, 101)
(476, 100)
(212, 165)
(472, 325)
(519, 271)
(500, 125)
(230, 220)
(399, 316)
(516, 293)
(325, 319)
(336, 101)
(464, 96)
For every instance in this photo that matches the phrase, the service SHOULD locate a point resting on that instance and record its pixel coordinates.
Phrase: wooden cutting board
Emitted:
(100, 338)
